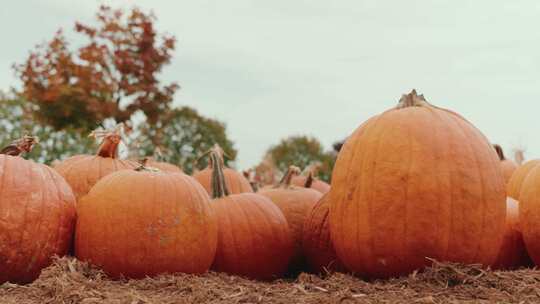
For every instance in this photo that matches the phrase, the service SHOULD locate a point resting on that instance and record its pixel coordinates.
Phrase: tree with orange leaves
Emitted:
(113, 75)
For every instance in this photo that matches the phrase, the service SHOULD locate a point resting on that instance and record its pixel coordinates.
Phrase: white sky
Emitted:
(270, 69)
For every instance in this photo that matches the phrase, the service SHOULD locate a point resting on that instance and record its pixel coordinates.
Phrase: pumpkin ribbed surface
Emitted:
(138, 224)
(37, 218)
(416, 181)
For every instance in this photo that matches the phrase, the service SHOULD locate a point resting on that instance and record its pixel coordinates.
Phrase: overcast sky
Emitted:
(270, 69)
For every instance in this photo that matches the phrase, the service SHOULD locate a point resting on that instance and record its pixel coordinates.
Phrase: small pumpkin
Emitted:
(37, 214)
(316, 242)
(309, 181)
(508, 166)
(295, 203)
(82, 172)
(236, 182)
(144, 222)
(253, 235)
(512, 254)
(416, 181)
(518, 177)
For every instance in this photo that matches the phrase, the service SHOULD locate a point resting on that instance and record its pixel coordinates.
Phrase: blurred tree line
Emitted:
(113, 77)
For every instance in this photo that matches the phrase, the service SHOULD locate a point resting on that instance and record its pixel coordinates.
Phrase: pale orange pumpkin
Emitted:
(144, 222)
(508, 166)
(309, 181)
(512, 253)
(518, 177)
(37, 214)
(253, 235)
(416, 181)
(295, 203)
(82, 172)
(163, 166)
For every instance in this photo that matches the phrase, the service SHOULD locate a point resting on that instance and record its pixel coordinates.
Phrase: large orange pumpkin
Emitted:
(37, 215)
(512, 253)
(309, 181)
(508, 166)
(316, 241)
(138, 223)
(236, 182)
(529, 213)
(514, 185)
(416, 181)
(82, 172)
(295, 203)
(253, 236)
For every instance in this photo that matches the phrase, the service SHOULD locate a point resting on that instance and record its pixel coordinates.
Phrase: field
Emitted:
(70, 281)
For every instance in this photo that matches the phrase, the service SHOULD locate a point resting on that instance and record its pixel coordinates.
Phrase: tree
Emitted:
(302, 151)
(113, 75)
(184, 137)
(16, 121)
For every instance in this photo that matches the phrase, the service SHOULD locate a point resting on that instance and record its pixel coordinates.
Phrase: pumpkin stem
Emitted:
(21, 145)
(499, 151)
(309, 180)
(110, 142)
(144, 167)
(412, 100)
(215, 148)
(285, 181)
(219, 187)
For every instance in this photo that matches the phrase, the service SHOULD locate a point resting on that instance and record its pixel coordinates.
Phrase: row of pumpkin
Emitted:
(412, 183)
(135, 220)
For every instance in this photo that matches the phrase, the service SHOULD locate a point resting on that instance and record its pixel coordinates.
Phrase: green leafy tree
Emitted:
(184, 137)
(16, 120)
(302, 151)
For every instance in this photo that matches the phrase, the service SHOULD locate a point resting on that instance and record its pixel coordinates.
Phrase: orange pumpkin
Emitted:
(529, 213)
(235, 181)
(416, 181)
(37, 214)
(163, 166)
(138, 223)
(508, 166)
(253, 235)
(295, 203)
(316, 242)
(82, 172)
(518, 177)
(512, 253)
(309, 181)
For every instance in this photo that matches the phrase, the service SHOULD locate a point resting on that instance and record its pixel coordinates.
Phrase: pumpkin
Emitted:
(163, 166)
(37, 214)
(529, 213)
(512, 253)
(82, 172)
(518, 177)
(253, 235)
(508, 166)
(416, 181)
(142, 222)
(309, 181)
(316, 242)
(295, 203)
(236, 182)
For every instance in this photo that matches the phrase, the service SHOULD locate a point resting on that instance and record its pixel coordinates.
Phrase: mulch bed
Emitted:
(70, 281)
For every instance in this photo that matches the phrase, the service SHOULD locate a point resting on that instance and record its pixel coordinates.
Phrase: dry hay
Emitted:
(70, 281)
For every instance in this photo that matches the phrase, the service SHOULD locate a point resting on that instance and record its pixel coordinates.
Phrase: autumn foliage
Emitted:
(112, 75)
